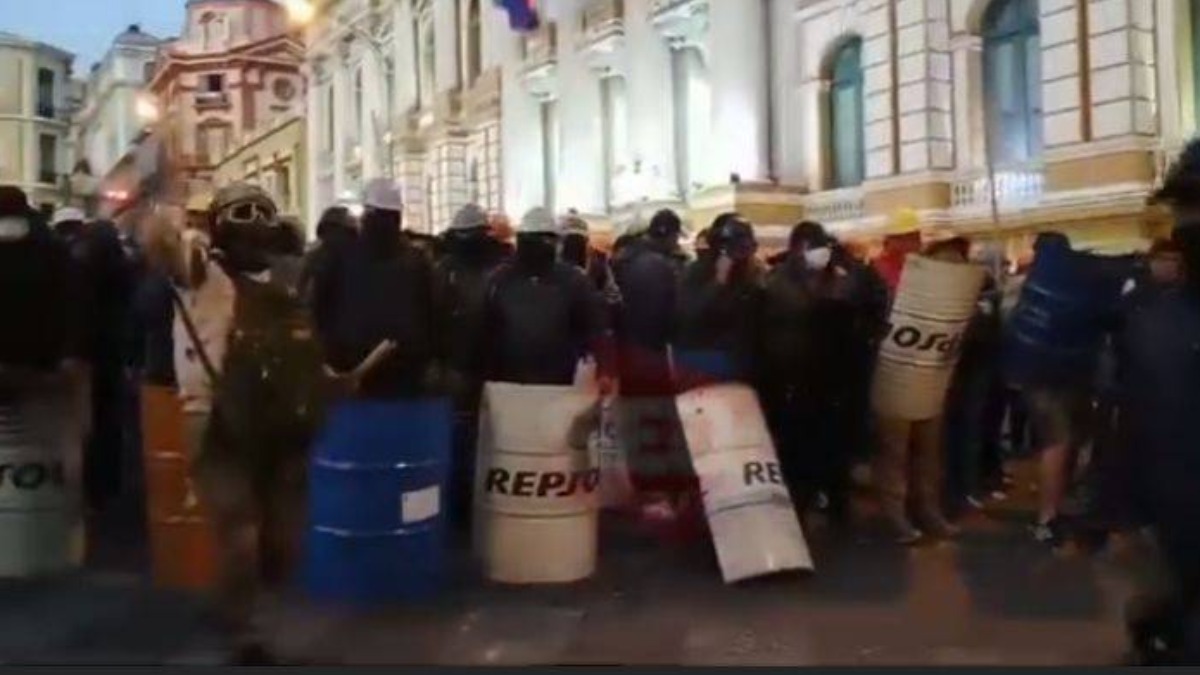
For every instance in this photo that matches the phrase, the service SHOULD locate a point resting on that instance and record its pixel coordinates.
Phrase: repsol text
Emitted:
(541, 483)
(912, 337)
(762, 473)
(32, 475)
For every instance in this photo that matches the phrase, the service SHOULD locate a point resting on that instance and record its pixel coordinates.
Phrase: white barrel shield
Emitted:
(933, 305)
(754, 526)
(41, 528)
(536, 484)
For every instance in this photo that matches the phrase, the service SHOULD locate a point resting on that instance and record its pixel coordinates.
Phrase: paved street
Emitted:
(992, 598)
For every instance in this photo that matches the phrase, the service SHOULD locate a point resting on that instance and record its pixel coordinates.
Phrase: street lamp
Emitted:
(302, 13)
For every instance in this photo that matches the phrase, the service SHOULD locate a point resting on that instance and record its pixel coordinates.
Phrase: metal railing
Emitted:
(834, 205)
(1014, 186)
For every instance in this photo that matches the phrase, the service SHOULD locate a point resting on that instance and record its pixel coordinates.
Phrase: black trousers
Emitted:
(103, 462)
(813, 434)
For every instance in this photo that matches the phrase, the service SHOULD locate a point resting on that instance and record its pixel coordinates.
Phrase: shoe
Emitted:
(1050, 532)
(976, 502)
(903, 532)
(938, 527)
(999, 495)
(252, 654)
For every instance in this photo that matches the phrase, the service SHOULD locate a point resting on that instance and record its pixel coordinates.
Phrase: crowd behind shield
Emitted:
(259, 337)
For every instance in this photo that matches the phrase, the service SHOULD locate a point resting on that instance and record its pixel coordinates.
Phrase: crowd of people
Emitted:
(259, 335)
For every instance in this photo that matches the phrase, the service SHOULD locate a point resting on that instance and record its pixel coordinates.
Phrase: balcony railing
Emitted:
(1014, 187)
(601, 17)
(212, 99)
(834, 205)
(541, 46)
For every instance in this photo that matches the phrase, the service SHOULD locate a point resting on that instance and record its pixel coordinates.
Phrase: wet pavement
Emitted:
(994, 597)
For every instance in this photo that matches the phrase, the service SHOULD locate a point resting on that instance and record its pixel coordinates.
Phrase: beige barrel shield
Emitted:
(754, 526)
(41, 528)
(536, 485)
(933, 305)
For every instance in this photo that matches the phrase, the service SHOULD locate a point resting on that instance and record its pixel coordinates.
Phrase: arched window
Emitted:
(1012, 81)
(846, 151)
(474, 41)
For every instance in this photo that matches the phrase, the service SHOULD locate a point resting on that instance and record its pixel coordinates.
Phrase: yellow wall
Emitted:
(280, 146)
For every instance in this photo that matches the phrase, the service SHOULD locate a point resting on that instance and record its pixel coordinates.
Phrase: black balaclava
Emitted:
(1187, 237)
(245, 248)
(574, 250)
(473, 245)
(18, 220)
(536, 252)
(381, 232)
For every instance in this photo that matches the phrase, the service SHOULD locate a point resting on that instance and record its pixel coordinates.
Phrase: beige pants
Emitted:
(910, 462)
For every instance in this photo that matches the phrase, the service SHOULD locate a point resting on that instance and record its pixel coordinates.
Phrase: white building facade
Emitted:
(409, 89)
(995, 118)
(109, 122)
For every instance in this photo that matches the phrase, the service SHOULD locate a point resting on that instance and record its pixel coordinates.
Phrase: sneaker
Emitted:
(976, 502)
(903, 532)
(937, 526)
(999, 495)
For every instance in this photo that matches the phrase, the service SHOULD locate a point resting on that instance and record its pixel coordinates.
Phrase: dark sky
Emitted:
(87, 27)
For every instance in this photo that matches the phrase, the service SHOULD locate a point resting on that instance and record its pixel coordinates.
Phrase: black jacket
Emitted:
(722, 318)
(370, 296)
(538, 325)
(461, 280)
(34, 300)
(649, 282)
(810, 342)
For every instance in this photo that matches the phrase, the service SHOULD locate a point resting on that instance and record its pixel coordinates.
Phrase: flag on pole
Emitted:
(522, 14)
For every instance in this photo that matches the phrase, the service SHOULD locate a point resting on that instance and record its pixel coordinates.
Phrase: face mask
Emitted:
(818, 258)
(13, 228)
(1188, 239)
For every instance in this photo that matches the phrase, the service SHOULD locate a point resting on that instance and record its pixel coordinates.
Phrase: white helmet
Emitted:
(538, 220)
(469, 217)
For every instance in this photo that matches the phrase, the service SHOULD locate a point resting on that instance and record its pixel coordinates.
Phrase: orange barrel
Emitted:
(182, 542)
(933, 305)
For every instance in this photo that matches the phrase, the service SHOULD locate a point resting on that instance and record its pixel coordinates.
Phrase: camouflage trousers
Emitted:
(257, 520)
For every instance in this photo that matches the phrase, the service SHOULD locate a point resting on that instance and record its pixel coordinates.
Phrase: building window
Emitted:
(846, 151)
(693, 115)
(48, 159)
(427, 63)
(550, 149)
(330, 120)
(474, 42)
(358, 103)
(616, 135)
(1012, 81)
(1193, 8)
(213, 83)
(148, 71)
(45, 93)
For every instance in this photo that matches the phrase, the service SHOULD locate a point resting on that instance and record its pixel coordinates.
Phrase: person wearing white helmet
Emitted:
(542, 315)
(378, 294)
(471, 256)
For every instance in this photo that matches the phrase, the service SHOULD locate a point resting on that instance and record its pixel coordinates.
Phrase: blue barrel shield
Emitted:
(377, 487)
(1056, 331)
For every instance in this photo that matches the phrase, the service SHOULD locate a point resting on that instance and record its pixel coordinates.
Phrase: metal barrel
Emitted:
(1055, 331)
(536, 487)
(182, 539)
(41, 529)
(754, 526)
(933, 306)
(377, 491)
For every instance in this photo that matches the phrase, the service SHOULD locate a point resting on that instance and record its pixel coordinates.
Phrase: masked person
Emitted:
(461, 277)
(1160, 402)
(249, 371)
(576, 249)
(718, 315)
(103, 291)
(647, 270)
(380, 308)
(541, 315)
(808, 354)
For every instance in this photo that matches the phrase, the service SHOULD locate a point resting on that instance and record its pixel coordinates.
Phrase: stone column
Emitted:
(737, 62)
(878, 99)
(1121, 40)
(923, 35)
(969, 126)
(1062, 85)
